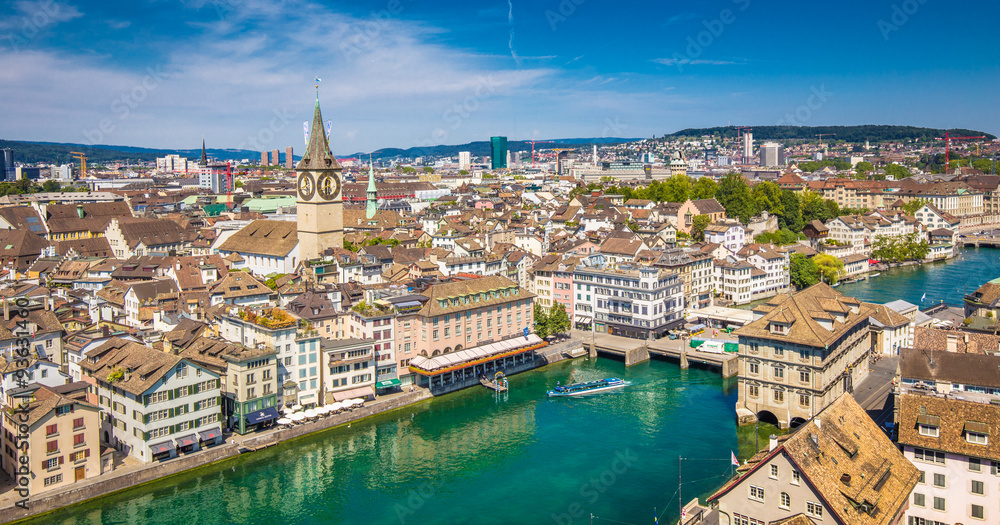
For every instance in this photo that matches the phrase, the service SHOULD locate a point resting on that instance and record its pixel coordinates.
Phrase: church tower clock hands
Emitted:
(320, 203)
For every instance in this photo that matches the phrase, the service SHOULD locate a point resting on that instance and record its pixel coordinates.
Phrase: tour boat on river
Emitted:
(591, 387)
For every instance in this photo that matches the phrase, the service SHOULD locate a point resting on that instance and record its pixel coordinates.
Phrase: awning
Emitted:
(388, 383)
(186, 440)
(583, 319)
(161, 448)
(979, 428)
(261, 416)
(362, 392)
(208, 435)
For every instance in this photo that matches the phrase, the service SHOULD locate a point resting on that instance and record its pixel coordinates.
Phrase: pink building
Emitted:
(484, 204)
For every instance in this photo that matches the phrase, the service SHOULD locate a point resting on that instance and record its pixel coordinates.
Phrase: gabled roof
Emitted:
(848, 461)
(143, 365)
(953, 417)
(803, 308)
(264, 237)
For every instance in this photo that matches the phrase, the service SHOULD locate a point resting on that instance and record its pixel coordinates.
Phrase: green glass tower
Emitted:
(498, 152)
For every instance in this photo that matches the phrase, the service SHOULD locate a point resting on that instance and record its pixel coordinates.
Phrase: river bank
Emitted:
(471, 457)
(234, 446)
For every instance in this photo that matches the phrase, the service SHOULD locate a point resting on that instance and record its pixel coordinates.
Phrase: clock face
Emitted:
(307, 186)
(329, 186)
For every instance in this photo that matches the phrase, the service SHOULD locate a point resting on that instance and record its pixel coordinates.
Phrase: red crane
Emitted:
(947, 147)
(533, 142)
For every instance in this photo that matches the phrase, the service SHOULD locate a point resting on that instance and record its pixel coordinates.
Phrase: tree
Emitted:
(703, 188)
(50, 186)
(864, 167)
(428, 169)
(698, 225)
(791, 216)
(780, 237)
(911, 207)
(676, 189)
(813, 207)
(409, 169)
(466, 172)
(898, 171)
(830, 267)
(767, 197)
(803, 271)
(734, 195)
(541, 321)
(558, 320)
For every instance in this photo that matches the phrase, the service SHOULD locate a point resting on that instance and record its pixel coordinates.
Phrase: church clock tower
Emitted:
(320, 204)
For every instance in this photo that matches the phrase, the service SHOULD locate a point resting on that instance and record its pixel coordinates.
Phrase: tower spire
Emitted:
(204, 157)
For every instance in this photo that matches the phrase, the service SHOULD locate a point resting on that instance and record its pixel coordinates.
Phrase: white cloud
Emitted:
(696, 62)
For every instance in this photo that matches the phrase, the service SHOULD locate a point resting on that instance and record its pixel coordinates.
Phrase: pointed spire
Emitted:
(204, 157)
(317, 155)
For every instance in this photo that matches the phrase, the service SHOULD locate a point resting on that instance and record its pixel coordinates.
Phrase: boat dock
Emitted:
(638, 351)
(492, 385)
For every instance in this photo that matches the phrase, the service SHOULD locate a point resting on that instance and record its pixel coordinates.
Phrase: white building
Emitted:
(174, 164)
(947, 419)
(732, 235)
(464, 160)
(638, 302)
(154, 405)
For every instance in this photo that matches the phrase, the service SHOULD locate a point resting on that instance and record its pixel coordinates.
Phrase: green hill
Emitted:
(59, 153)
(873, 133)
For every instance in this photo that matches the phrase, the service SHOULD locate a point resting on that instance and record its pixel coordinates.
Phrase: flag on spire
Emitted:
(734, 461)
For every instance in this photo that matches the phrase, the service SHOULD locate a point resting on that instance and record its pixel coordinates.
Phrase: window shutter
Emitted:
(170, 412)
(170, 394)
(60, 460)
(145, 436)
(43, 464)
(145, 401)
(145, 419)
(86, 453)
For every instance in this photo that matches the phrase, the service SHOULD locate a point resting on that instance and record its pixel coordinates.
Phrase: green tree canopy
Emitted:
(767, 197)
(541, 321)
(558, 320)
(830, 268)
(898, 171)
(734, 195)
(698, 225)
(803, 271)
(703, 188)
(791, 216)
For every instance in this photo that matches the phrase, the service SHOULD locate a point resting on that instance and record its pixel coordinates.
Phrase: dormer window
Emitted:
(929, 426)
(778, 328)
(977, 433)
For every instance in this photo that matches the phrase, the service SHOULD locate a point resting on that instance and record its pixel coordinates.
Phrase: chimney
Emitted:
(774, 443)
(952, 343)
(818, 423)
(6, 310)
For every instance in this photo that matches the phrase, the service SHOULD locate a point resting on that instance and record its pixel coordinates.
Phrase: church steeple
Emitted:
(372, 191)
(317, 155)
(204, 157)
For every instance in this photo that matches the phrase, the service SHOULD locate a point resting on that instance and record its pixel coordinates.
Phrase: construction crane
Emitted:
(533, 142)
(821, 135)
(739, 134)
(82, 157)
(947, 147)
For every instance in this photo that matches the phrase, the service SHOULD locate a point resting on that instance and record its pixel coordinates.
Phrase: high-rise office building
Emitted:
(7, 165)
(263, 158)
(747, 147)
(464, 160)
(289, 158)
(274, 158)
(498, 153)
(772, 154)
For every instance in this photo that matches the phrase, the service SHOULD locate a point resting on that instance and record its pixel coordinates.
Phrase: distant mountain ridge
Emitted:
(59, 152)
(873, 133)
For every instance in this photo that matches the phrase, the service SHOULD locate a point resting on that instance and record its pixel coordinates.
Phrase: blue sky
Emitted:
(402, 73)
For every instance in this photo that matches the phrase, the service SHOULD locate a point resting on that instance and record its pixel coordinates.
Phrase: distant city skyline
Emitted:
(398, 73)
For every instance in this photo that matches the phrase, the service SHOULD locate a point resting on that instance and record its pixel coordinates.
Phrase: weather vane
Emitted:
(318, 80)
